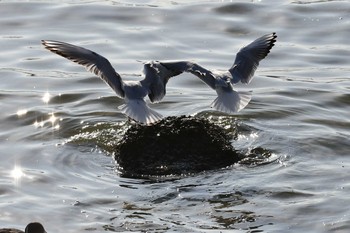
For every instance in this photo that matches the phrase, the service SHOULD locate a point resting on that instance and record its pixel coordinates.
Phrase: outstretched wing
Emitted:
(92, 61)
(248, 58)
(185, 66)
(157, 76)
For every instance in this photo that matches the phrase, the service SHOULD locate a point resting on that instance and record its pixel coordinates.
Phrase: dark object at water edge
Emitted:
(33, 227)
(174, 146)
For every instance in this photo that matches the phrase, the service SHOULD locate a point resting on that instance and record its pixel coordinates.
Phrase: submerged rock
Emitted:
(174, 145)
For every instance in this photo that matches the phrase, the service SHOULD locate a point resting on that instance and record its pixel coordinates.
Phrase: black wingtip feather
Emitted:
(272, 42)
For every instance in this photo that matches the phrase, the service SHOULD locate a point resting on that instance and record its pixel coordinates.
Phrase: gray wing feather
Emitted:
(248, 58)
(185, 66)
(92, 61)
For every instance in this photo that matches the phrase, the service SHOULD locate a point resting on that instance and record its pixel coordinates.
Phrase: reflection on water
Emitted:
(17, 174)
(50, 121)
(22, 112)
(59, 123)
(46, 98)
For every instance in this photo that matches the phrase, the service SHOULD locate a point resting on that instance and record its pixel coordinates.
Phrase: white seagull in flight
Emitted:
(133, 92)
(242, 70)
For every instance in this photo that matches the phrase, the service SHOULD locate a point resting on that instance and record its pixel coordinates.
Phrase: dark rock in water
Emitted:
(175, 145)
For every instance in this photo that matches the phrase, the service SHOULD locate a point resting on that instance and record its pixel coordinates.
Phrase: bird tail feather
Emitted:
(231, 101)
(140, 112)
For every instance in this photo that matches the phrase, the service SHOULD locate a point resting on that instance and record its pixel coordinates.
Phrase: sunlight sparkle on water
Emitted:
(17, 173)
(52, 121)
(46, 97)
(248, 137)
(22, 112)
(38, 124)
(52, 118)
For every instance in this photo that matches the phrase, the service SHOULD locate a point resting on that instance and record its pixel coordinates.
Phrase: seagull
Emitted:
(243, 69)
(133, 92)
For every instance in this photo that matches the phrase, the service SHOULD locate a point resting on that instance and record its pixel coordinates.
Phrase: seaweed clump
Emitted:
(174, 146)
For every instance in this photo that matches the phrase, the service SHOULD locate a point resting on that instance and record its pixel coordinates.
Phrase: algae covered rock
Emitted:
(174, 145)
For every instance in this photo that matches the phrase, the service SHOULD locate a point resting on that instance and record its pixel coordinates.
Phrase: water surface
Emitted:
(58, 119)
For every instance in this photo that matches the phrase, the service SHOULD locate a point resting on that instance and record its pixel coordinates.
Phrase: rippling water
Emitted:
(58, 120)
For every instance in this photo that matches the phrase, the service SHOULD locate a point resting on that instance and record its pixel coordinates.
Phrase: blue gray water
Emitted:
(57, 119)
